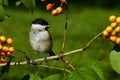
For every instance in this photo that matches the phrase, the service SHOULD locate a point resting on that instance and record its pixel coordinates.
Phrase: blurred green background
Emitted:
(85, 20)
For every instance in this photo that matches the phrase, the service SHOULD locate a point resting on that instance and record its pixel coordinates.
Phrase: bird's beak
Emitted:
(48, 26)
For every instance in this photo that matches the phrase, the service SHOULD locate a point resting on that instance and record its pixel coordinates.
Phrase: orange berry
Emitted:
(54, 12)
(43, 0)
(59, 10)
(112, 18)
(113, 24)
(113, 33)
(118, 20)
(3, 60)
(109, 29)
(63, 1)
(5, 48)
(117, 29)
(9, 41)
(113, 38)
(8, 54)
(2, 53)
(11, 49)
(49, 7)
(118, 41)
(2, 39)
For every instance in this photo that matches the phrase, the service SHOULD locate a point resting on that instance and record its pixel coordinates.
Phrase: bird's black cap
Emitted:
(40, 21)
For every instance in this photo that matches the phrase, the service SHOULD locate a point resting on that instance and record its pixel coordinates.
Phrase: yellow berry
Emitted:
(11, 49)
(117, 29)
(112, 18)
(118, 20)
(2, 39)
(54, 12)
(118, 41)
(105, 34)
(109, 29)
(113, 24)
(0, 46)
(5, 48)
(59, 10)
(113, 38)
(9, 41)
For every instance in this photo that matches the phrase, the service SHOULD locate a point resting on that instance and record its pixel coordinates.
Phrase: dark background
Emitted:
(100, 3)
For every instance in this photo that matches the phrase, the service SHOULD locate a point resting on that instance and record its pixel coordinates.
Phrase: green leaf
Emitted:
(115, 58)
(29, 3)
(3, 2)
(34, 77)
(90, 72)
(18, 3)
(98, 72)
(5, 68)
(55, 77)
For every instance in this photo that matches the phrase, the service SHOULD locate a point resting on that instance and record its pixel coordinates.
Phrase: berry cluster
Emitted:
(112, 31)
(55, 11)
(6, 49)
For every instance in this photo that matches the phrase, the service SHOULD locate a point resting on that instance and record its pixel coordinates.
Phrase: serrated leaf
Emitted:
(90, 72)
(55, 77)
(34, 77)
(29, 3)
(115, 58)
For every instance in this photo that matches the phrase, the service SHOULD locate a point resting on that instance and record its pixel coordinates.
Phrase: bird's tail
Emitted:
(51, 53)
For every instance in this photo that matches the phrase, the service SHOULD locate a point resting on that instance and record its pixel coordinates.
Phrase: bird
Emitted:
(40, 37)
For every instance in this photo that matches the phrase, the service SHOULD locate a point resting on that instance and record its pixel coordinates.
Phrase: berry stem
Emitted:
(65, 29)
(61, 4)
(64, 39)
(92, 40)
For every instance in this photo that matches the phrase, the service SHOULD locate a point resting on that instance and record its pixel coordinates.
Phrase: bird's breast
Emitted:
(40, 41)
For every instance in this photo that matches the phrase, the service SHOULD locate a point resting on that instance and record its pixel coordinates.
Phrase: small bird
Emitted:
(40, 38)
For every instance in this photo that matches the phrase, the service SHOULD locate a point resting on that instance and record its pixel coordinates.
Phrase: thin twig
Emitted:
(65, 29)
(69, 64)
(93, 39)
(51, 67)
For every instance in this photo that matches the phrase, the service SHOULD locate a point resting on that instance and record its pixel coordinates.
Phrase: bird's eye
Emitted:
(39, 30)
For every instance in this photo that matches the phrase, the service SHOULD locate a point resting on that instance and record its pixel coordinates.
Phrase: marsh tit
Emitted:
(40, 38)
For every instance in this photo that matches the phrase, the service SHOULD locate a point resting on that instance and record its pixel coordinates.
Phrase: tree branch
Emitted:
(42, 59)
(56, 56)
